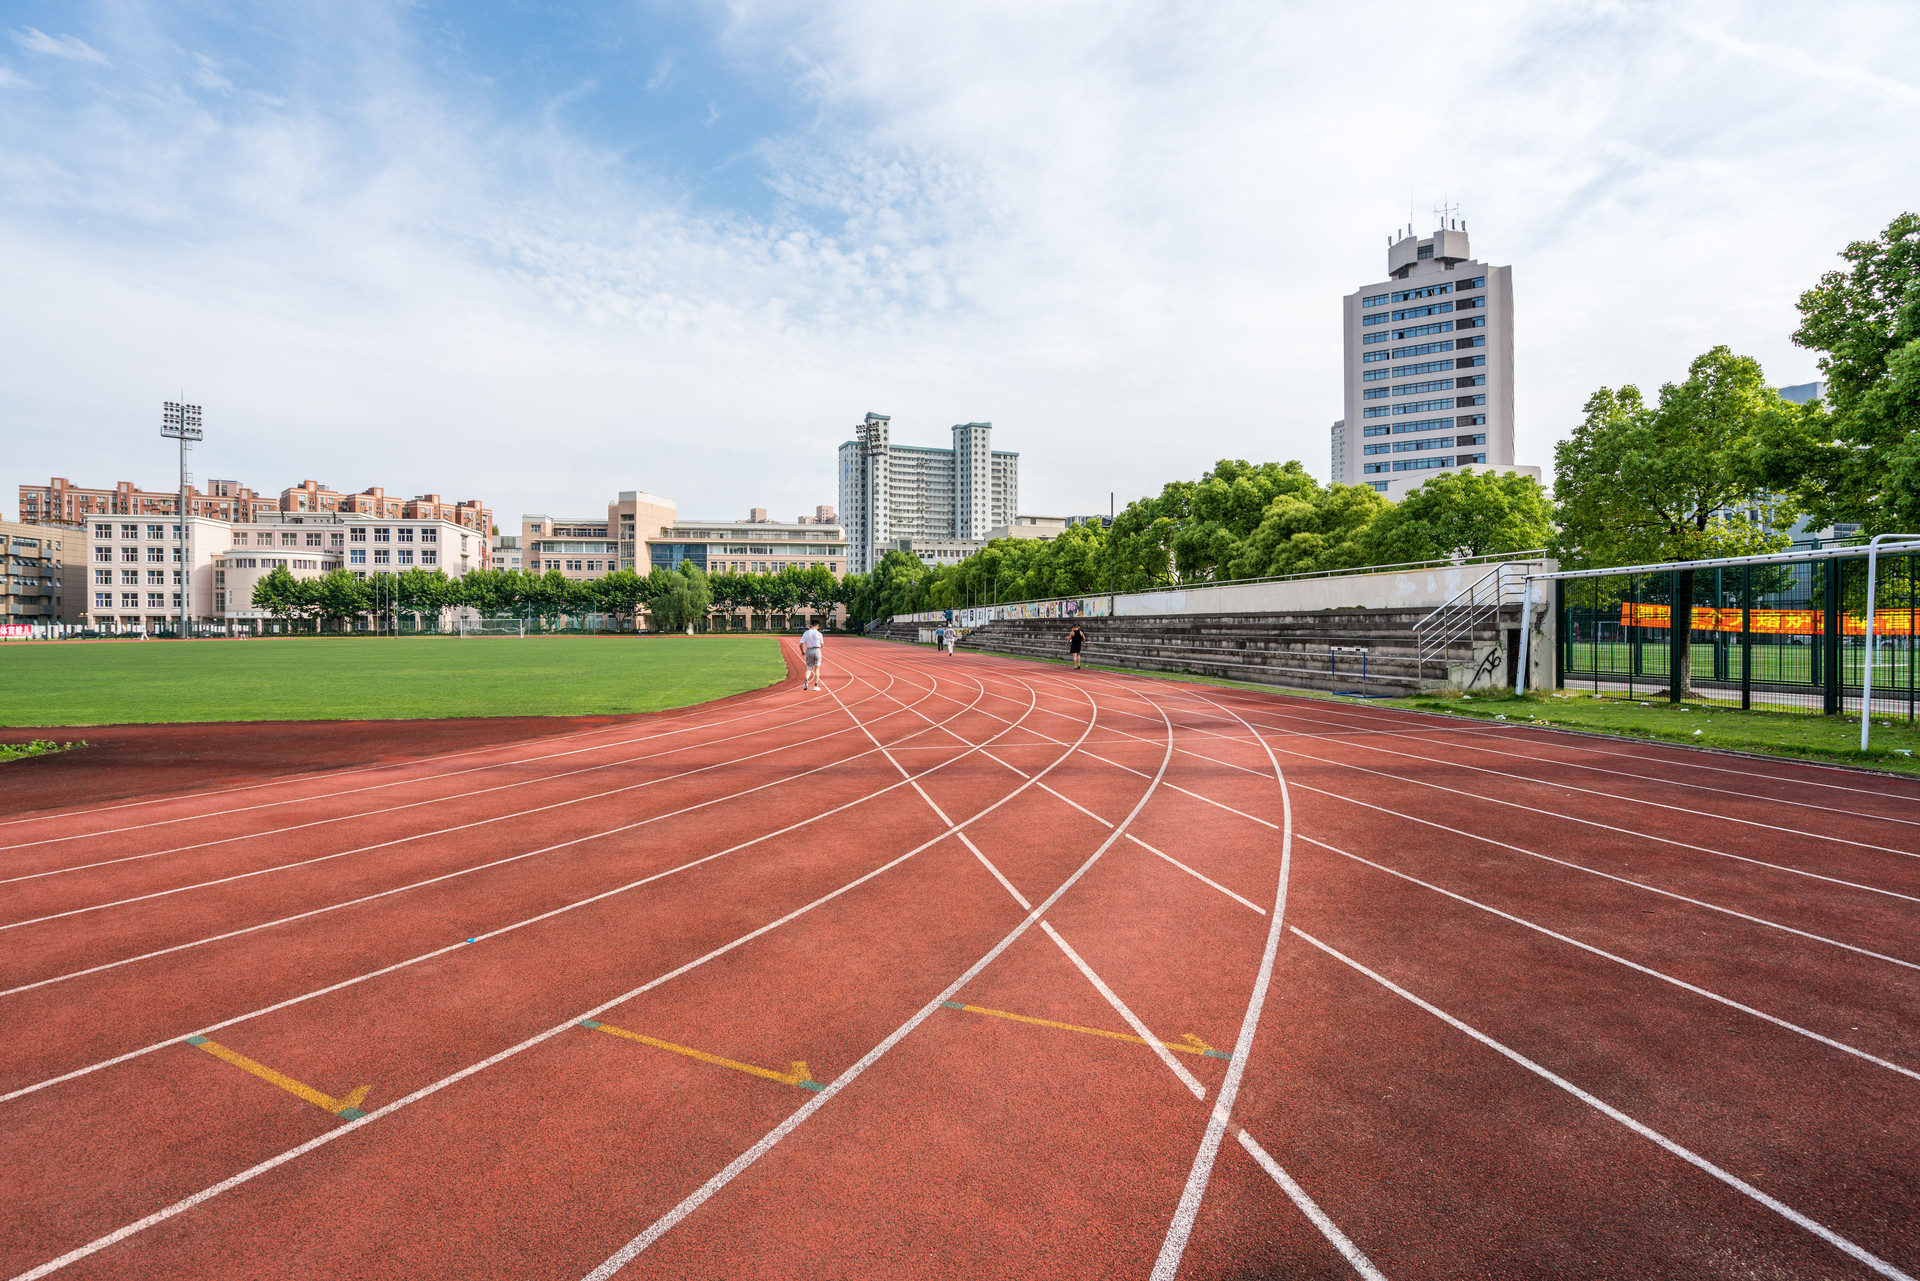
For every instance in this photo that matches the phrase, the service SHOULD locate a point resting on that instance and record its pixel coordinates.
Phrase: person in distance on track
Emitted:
(1076, 641)
(949, 639)
(811, 643)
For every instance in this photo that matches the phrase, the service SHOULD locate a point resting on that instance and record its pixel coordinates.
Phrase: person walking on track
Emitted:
(1076, 641)
(949, 639)
(811, 643)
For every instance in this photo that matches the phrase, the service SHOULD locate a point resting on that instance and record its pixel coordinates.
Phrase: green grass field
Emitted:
(1785, 664)
(305, 679)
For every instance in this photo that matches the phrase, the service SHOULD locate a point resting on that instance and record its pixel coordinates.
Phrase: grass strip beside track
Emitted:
(1801, 735)
(425, 678)
(35, 747)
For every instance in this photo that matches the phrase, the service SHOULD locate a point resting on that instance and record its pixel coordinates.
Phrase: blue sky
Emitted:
(536, 253)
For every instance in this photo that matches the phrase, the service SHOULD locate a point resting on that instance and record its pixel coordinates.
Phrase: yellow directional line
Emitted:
(1194, 1045)
(347, 1106)
(798, 1076)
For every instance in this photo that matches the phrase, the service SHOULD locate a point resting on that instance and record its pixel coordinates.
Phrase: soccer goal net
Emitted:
(492, 625)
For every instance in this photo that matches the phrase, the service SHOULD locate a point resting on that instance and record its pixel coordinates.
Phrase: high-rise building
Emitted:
(1339, 474)
(889, 492)
(1429, 367)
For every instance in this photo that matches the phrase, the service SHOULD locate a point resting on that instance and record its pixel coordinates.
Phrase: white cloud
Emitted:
(69, 47)
(1120, 232)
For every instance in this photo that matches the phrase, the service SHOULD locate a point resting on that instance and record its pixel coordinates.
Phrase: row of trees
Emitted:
(673, 599)
(1240, 520)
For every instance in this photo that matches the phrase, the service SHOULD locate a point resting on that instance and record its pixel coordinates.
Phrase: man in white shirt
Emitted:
(810, 644)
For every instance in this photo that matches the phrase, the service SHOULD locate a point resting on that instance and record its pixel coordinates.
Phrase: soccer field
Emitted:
(128, 682)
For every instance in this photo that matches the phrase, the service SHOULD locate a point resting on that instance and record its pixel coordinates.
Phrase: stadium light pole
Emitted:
(182, 423)
(1866, 662)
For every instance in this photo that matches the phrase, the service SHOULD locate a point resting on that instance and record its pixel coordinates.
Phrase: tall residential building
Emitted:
(890, 492)
(1429, 367)
(1339, 474)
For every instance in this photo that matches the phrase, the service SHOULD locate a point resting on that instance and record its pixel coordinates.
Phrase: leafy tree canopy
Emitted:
(1860, 461)
(1637, 483)
(1462, 513)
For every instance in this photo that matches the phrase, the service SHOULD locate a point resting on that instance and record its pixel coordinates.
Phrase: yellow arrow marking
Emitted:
(339, 1107)
(1194, 1044)
(797, 1076)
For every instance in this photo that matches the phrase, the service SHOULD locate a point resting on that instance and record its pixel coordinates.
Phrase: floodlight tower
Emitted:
(182, 423)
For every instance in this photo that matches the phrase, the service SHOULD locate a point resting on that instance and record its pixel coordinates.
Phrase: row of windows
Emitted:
(1477, 380)
(1373, 300)
(1425, 464)
(1375, 357)
(131, 577)
(1421, 331)
(1431, 309)
(1429, 291)
(131, 600)
(1423, 406)
(1468, 304)
(131, 555)
(1421, 389)
(1375, 375)
(155, 532)
(1435, 366)
(1416, 446)
(1374, 393)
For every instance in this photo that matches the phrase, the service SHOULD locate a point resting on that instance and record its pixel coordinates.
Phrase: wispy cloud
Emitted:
(1120, 233)
(70, 47)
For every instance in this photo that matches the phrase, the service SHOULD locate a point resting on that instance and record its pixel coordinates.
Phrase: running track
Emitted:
(972, 967)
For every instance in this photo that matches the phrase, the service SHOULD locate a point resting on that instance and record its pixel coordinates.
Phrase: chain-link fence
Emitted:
(1762, 632)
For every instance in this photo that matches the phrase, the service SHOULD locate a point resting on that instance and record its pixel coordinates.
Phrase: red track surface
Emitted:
(1481, 1001)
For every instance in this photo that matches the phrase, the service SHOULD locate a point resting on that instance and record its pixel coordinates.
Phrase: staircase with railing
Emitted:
(1470, 611)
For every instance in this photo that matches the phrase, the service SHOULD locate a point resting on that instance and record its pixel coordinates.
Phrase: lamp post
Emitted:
(182, 423)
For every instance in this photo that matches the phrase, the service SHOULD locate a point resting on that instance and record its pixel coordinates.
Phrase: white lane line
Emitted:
(435, 880)
(1739, 1185)
(329, 775)
(427, 956)
(1654, 778)
(987, 863)
(666, 1222)
(402, 840)
(1729, 1002)
(225, 1185)
(1197, 876)
(1615, 796)
(1134, 1021)
(1298, 1195)
(1638, 885)
(1621, 880)
(1077, 805)
(1180, 1229)
(1554, 736)
(394, 809)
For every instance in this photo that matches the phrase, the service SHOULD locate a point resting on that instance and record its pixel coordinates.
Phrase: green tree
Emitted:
(1463, 513)
(1638, 483)
(339, 596)
(1859, 460)
(278, 593)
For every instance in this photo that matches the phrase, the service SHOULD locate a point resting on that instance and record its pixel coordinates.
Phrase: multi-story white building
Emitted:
(1429, 367)
(138, 569)
(889, 492)
(755, 546)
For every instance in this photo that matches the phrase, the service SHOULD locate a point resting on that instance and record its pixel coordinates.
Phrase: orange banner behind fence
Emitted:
(1770, 622)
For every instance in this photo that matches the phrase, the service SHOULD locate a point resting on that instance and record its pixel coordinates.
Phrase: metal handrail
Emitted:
(1460, 613)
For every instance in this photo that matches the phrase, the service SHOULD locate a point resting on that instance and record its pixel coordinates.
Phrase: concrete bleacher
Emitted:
(1301, 650)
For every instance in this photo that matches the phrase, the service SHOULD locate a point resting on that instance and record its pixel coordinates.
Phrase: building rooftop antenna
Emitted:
(1445, 211)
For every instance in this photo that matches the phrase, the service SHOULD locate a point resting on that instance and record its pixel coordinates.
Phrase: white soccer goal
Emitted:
(492, 625)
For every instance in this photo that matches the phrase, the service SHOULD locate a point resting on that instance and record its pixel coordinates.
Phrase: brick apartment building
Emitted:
(60, 501)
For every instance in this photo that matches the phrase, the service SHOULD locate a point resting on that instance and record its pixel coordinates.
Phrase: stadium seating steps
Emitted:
(1269, 649)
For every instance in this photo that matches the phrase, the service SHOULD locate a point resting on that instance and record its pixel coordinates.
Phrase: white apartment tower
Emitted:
(890, 491)
(1429, 367)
